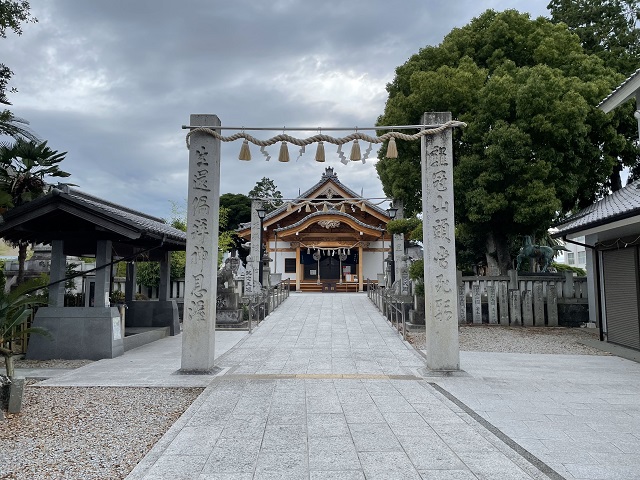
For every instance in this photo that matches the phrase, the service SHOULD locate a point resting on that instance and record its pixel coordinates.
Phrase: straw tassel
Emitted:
(342, 209)
(320, 152)
(245, 153)
(289, 207)
(392, 149)
(307, 208)
(355, 151)
(284, 153)
(324, 208)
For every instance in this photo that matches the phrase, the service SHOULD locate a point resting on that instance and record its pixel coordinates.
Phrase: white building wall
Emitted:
(374, 261)
(277, 266)
(575, 257)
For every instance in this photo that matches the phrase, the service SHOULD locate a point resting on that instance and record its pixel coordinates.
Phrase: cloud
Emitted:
(112, 83)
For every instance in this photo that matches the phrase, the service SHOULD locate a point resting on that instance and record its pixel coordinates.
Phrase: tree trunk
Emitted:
(498, 258)
(8, 361)
(22, 258)
(614, 178)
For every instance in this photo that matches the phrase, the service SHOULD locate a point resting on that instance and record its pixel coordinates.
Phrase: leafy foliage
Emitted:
(561, 267)
(607, 28)
(416, 273)
(15, 309)
(23, 167)
(238, 207)
(535, 144)
(267, 189)
(403, 225)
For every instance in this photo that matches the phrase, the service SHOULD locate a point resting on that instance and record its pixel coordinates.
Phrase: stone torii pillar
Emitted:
(441, 318)
(203, 217)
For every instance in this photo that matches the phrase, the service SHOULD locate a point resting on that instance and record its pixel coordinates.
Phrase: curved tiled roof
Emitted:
(330, 212)
(621, 204)
(328, 175)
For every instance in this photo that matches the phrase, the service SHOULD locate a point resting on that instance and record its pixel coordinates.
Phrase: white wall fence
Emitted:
(529, 300)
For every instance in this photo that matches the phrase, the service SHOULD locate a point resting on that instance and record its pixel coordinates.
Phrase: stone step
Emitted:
(138, 336)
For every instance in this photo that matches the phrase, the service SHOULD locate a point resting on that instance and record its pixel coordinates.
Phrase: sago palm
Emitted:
(15, 309)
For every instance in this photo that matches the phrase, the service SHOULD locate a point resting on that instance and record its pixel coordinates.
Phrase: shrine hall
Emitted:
(329, 237)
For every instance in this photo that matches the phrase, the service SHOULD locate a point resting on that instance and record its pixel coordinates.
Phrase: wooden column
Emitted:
(360, 251)
(299, 268)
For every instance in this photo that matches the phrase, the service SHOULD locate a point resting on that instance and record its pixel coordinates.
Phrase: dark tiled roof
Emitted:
(622, 204)
(138, 220)
(132, 220)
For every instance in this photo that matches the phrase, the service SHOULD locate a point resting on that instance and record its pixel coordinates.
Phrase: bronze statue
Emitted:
(541, 253)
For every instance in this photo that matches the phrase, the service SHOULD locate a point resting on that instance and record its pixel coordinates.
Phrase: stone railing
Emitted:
(531, 300)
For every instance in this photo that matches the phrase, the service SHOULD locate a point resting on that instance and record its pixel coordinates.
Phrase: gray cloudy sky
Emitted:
(112, 82)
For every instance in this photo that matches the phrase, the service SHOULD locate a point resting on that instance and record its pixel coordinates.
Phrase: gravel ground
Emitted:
(494, 338)
(102, 433)
(86, 432)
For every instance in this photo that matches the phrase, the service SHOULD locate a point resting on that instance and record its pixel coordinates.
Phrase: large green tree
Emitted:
(267, 189)
(535, 145)
(24, 166)
(609, 29)
(12, 15)
(238, 207)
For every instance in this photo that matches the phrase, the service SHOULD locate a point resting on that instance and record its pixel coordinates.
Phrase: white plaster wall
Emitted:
(277, 266)
(575, 249)
(373, 261)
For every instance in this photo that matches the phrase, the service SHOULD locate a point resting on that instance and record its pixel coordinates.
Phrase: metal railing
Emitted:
(265, 302)
(393, 307)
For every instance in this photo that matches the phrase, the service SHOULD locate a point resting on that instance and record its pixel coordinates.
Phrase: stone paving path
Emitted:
(326, 389)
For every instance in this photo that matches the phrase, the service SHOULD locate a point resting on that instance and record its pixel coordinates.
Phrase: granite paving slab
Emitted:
(325, 388)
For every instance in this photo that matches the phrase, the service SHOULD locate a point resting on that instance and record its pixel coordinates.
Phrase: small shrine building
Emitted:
(328, 238)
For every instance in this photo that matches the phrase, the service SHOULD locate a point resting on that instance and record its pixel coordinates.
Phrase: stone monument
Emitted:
(228, 305)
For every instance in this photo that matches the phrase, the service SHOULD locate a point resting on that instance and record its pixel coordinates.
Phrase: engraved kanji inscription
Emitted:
(441, 256)
(441, 230)
(442, 284)
(439, 180)
(201, 180)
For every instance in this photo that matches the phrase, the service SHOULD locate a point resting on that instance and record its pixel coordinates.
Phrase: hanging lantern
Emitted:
(355, 151)
(392, 149)
(284, 153)
(245, 153)
(320, 152)
(308, 251)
